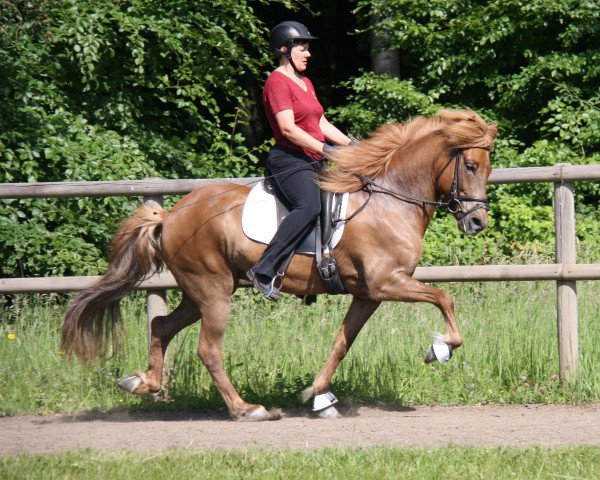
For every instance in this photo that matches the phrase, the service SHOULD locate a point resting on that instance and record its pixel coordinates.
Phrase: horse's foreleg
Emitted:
(162, 331)
(359, 312)
(407, 289)
(214, 321)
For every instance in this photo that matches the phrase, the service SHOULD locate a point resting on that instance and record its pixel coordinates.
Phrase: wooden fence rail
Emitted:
(560, 173)
(565, 272)
(474, 273)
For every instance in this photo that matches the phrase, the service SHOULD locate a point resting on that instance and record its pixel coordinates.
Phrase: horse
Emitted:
(396, 178)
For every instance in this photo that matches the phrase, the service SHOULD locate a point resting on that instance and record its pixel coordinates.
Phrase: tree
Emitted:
(533, 67)
(103, 90)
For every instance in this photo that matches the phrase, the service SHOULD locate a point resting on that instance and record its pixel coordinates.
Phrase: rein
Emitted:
(454, 205)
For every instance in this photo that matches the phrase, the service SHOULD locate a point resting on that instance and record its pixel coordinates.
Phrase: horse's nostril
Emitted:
(477, 224)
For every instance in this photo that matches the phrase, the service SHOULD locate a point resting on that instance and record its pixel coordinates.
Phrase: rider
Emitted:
(300, 130)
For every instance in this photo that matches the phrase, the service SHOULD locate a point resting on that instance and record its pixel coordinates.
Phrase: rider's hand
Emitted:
(328, 150)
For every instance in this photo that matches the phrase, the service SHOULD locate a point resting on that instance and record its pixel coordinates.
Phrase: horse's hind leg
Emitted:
(360, 311)
(214, 322)
(162, 331)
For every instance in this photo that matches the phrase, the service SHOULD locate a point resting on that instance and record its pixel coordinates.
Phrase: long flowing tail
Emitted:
(92, 323)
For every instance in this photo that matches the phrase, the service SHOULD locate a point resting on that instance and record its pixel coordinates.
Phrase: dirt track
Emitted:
(546, 425)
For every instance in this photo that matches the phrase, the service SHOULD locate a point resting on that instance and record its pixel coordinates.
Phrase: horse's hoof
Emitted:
(439, 350)
(329, 413)
(130, 384)
(260, 414)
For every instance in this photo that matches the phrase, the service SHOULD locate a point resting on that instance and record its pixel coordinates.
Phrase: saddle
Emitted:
(263, 212)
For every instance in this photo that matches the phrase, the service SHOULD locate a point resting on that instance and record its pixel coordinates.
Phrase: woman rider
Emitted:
(300, 130)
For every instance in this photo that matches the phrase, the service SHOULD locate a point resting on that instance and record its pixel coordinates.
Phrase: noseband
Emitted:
(454, 204)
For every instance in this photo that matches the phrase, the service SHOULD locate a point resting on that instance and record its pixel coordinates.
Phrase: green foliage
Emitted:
(508, 56)
(98, 90)
(57, 237)
(378, 99)
(532, 67)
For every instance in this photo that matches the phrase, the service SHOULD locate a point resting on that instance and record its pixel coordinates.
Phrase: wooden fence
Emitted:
(566, 272)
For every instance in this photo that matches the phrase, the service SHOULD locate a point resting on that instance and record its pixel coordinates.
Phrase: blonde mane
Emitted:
(372, 157)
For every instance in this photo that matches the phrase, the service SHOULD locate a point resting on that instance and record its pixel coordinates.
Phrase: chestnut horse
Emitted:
(398, 176)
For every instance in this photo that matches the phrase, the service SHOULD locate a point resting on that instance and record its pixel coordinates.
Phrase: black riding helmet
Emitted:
(286, 32)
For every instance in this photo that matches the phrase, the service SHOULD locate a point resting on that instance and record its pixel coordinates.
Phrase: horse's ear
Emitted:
(492, 130)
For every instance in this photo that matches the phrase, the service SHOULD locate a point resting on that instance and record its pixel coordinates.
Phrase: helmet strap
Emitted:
(288, 55)
(296, 71)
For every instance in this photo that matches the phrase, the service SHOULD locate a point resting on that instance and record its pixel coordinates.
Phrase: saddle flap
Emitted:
(263, 213)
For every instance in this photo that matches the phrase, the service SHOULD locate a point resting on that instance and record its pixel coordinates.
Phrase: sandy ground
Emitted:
(515, 425)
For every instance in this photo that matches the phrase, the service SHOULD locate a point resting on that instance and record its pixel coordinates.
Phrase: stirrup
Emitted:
(273, 294)
(269, 290)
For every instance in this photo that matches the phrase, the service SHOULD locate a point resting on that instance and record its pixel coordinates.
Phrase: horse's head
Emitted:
(455, 144)
(467, 199)
(463, 172)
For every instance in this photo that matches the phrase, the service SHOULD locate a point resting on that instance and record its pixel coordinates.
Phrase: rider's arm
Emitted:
(289, 129)
(332, 134)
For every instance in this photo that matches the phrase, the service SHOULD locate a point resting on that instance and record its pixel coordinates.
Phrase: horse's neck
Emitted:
(412, 173)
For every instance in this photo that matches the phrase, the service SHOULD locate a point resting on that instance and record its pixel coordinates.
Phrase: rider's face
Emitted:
(300, 55)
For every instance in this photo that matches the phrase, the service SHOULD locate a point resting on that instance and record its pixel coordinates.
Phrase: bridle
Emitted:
(454, 204)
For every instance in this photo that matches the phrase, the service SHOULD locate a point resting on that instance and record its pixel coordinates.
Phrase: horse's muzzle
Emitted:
(474, 223)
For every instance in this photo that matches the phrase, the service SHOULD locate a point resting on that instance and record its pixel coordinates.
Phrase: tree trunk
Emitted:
(383, 60)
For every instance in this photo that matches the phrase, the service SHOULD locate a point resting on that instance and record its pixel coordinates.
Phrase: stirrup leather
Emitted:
(327, 266)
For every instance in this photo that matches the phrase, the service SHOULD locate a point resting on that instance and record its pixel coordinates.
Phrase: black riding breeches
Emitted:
(294, 174)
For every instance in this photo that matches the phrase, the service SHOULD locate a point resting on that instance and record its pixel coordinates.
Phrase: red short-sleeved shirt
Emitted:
(282, 93)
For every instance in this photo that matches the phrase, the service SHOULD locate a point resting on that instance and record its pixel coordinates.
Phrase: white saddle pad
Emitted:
(263, 214)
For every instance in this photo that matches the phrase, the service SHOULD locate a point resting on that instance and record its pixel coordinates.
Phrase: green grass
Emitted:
(373, 463)
(272, 352)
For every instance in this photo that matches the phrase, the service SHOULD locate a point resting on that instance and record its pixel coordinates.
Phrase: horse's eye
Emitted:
(471, 167)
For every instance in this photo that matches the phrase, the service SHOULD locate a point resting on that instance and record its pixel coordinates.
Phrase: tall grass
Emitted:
(272, 352)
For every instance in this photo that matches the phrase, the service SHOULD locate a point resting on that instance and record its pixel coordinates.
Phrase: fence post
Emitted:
(568, 339)
(156, 300)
